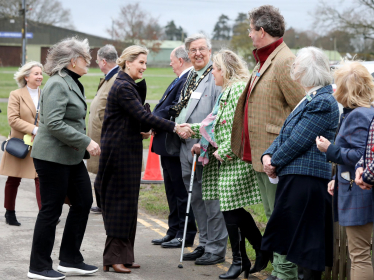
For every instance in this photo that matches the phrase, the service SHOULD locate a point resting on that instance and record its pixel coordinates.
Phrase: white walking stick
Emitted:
(188, 209)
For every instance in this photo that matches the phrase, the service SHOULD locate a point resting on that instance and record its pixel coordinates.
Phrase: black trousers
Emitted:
(177, 197)
(246, 224)
(97, 197)
(56, 182)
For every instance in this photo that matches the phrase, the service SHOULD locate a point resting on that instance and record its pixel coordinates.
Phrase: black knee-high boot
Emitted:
(252, 233)
(240, 261)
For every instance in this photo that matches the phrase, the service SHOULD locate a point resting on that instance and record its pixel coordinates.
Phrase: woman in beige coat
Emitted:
(22, 106)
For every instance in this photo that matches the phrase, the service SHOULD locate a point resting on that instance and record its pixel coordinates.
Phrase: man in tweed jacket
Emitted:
(268, 99)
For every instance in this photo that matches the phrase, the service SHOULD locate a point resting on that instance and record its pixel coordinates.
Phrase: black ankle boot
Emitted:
(240, 261)
(262, 259)
(311, 274)
(11, 219)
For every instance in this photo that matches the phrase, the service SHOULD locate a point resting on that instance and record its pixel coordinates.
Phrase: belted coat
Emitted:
(118, 177)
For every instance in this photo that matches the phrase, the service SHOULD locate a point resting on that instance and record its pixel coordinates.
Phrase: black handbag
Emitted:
(15, 146)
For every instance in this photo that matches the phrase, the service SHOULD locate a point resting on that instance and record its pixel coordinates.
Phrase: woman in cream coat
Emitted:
(22, 106)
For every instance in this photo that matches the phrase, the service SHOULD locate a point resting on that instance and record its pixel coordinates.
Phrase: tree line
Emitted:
(348, 29)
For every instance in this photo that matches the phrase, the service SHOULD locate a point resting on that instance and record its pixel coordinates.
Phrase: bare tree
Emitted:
(43, 11)
(357, 19)
(136, 26)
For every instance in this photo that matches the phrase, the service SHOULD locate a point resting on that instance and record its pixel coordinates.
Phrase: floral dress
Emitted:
(234, 183)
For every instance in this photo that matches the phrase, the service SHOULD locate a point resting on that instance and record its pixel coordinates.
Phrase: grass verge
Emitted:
(158, 79)
(152, 200)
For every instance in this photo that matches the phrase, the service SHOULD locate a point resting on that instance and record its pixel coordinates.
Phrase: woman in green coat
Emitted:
(225, 176)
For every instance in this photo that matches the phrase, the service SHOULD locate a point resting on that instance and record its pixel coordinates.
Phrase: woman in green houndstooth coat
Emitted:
(225, 176)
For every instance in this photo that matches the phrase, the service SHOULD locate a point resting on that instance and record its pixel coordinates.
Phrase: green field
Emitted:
(158, 79)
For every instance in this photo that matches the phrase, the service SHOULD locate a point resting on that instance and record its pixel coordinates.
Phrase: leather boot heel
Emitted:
(106, 268)
(246, 273)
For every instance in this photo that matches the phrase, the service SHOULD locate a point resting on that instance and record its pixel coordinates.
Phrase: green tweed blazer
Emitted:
(61, 136)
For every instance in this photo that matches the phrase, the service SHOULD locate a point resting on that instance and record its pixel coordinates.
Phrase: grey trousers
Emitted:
(210, 221)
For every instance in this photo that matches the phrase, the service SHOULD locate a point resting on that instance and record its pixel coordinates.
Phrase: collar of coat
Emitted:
(72, 85)
(324, 90)
(140, 87)
(263, 53)
(112, 73)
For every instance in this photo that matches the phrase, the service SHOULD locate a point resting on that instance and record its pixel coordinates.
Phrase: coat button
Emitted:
(84, 128)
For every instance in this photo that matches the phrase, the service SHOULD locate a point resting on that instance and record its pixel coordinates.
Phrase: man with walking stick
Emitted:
(197, 99)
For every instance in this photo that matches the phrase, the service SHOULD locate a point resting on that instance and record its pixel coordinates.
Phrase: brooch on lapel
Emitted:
(309, 96)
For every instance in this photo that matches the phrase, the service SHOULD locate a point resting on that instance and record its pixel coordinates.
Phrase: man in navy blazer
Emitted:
(176, 192)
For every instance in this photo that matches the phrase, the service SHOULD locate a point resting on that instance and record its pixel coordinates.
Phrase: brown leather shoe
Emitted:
(120, 268)
(133, 265)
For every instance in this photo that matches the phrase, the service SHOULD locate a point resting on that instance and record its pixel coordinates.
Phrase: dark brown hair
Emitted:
(269, 18)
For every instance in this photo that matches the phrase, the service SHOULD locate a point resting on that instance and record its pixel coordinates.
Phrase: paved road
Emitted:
(157, 263)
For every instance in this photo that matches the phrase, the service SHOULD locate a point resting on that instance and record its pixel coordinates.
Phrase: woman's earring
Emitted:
(73, 65)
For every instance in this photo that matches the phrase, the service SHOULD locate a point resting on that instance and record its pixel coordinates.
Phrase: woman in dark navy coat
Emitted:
(118, 178)
(352, 205)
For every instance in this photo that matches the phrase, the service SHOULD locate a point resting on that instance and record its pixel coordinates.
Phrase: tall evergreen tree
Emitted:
(222, 29)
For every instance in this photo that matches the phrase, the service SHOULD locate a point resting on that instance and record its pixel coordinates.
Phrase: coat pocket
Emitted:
(272, 128)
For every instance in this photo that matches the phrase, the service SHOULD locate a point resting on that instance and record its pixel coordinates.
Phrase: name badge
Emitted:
(196, 95)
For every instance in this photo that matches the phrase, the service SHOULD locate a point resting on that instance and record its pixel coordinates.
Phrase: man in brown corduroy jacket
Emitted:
(268, 99)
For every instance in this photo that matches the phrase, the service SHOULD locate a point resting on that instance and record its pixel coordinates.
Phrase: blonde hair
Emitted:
(24, 72)
(354, 85)
(130, 54)
(60, 55)
(234, 69)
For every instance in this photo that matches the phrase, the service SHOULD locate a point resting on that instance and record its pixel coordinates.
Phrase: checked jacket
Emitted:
(295, 151)
(234, 183)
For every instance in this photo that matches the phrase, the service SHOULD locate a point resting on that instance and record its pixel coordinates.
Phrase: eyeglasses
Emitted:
(201, 50)
(97, 61)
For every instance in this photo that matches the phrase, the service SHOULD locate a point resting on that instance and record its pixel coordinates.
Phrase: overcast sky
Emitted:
(94, 16)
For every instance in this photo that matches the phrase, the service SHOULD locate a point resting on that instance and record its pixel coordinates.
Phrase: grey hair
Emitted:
(108, 52)
(196, 37)
(24, 72)
(180, 52)
(311, 68)
(60, 55)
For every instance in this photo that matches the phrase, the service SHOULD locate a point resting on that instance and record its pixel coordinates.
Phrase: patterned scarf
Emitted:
(192, 86)
(207, 132)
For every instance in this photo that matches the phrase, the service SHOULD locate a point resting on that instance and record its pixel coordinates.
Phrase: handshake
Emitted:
(184, 130)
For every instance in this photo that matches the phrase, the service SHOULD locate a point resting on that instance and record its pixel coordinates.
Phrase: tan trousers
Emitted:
(359, 242)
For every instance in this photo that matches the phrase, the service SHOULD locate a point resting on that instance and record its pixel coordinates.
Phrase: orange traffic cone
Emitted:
(152, 172)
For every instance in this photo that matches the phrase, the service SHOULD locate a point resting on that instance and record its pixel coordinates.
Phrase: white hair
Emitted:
(196, 37)
(60, 55)
(24, 72)
(180, 52)
(311, 68)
